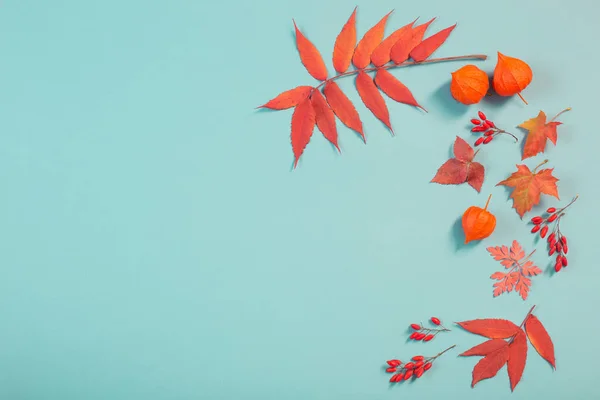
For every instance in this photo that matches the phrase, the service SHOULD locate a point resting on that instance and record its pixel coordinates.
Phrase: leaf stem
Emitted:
(563, 111)
(521, 326)
(539, 165)
(508, 133)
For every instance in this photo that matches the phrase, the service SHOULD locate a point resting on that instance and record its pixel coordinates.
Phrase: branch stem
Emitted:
(563, 111)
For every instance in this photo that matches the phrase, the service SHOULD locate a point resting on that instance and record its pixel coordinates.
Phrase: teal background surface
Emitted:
(155, 243)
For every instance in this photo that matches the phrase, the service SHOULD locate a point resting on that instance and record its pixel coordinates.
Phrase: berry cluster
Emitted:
(413, 369)
(557, 242)
(427, 334)
(488, 128)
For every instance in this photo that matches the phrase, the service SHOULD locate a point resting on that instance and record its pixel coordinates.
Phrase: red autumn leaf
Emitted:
(490, 328)
(528, 269)
(506, 284)
(343, 107)
(520, 269)
(289, 98)
(462, 150)
(325, 118)
(344, 45)
(407, 42)
(431, 44)
(489, 365)
(310, 56)
(366, 45)
(462, 168)
(517, 357)
(303, 124)
(539, 131)
(528, 186)
(485, 348)
(540, 339)
(372, 98)
(395, 89)
(381, 54)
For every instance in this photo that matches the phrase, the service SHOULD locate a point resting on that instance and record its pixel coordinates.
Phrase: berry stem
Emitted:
(563, 111)
(539, 165)
(508, 133)
(442, 352)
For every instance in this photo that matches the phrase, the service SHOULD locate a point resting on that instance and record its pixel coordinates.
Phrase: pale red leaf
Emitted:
(343, 107)
(485, 348)
(381, 54)
(498, 276)
(463, 150)
(426, 48)
(501, 254)
(522, 287)
(452, 172)
(517, 357)
(310, 56)
(289, 98)
(528, 269)
(516, 251)
(489, 365)
(344, 45)
(538, 132)
(491, 328)
(539, 338)
(374, 101)
(325, 118)
(303, 124)
(368, 43)
(407, 42)
(475, 175)
(394, 88)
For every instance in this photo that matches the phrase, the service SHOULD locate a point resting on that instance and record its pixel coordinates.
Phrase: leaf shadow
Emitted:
(458, 236)
(446, 102)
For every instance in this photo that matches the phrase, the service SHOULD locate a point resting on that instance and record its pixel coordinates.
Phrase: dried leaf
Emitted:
(511, 76)
(303, 124)
(489, 365)
(344, 45)
(517, 357)
(540, 339)
(394, 88)
(325, 118)
(289, 98)
(490, 328)
(310, 56)
(469, 84)
(372, 98)
(461, 169)
(371, 39)
(485, 348)
(426, 48)
(528, 186)
(407, 42)
(381, 54)
(520, 270)
(462, 150)
(343, 107)
(539, 132)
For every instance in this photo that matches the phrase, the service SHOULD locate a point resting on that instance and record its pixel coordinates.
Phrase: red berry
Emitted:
(418, 358)
(408, 374)
(559, 247)
(564, 261)
(396, 378)
(557, 267)
(419, 372)
(409, 365)
(488, 139)
(563, 240)
(421, 336)
(475, 121)
(491, 124)
(478, 141)
(537, 220)
(552, 218)
(427, 366)
(551, 210)
(535, 229)
(390, 369)
(544, 231)
(427, 338)
(419, 364)
(478, 128)
(481, 115)
(435, 320)
(394, 363)
(416, 327)
(552, 250)
(565, 249)
(551, 238)
(487, 124)
(488, 133)
(414, 335)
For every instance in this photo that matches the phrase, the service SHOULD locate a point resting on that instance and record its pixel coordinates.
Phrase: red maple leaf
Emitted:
(462, 168)
(519, 270)
(539, 132)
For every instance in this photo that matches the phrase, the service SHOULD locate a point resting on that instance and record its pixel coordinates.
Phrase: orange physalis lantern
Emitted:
(469, 84)
(511, 76)
(478, 223)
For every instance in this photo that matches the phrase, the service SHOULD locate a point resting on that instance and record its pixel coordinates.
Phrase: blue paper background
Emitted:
(155, 244)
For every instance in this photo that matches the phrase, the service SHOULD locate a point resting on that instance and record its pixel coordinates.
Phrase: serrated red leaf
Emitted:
(325, 118)
(394, 88)
(368, 43)
(520, 271)
(461, 169)
(381, 54)
(540, 339)
(462, 150)
(475, 175)
(344, 45)
(501, 254)
(452, 172)
(485, 348)
(491, 328)
(374, 101)
(528, 269)
(498, 276)
(538, 132)
(522, 287)
(343, 107)
(310, 56)
(426, 48)
(517, 357)
(303, 124)
(516, 251)
(406, 43)
(288, 99)
(489, 365)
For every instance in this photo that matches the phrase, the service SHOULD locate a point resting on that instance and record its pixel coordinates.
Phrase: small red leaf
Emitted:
(491, 328)
(407, 42)
(539, 338)
(303, 124)
(343, 107)
(344, 45)
(475, 175)
(517, 356)
(371, 39)
(498, 276)
(394, 88)
(372, 98)
(485, 348)
(422, 51)
(489, 365)
(381, 54)
(325, 118)
(462, 150)
(452, 172)
(288, 99)
(310, 56)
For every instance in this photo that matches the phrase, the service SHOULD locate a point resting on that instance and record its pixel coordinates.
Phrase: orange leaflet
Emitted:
(517, 357)
(381, 54)
(462, 168)
(289, 98)
(490, 328)
(371, 39)
(343, 107)
(303, 124)
(539, 338)
(372, 98)
(325, 118)
(485, 348)
(489, 365)
(539, 131)
(344, 45)
(407, 42)
(310, 56)
(426, 48)
(395, 89)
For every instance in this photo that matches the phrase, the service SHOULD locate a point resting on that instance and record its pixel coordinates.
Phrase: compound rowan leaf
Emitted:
(325, 118)
(426, 48)
(310, 56)
(539, 131)
(395, 89)
(461, 169)
(343, 107)
(491, 328)
(520, 269)
(381, 54)
(407, 42)
(303, 124)
(485, 348)
(540, 339)
(374, 101)
(528, 186)
(368, 43)
(289, 98)
(517, 357)
(489, 365)
(344, 45)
